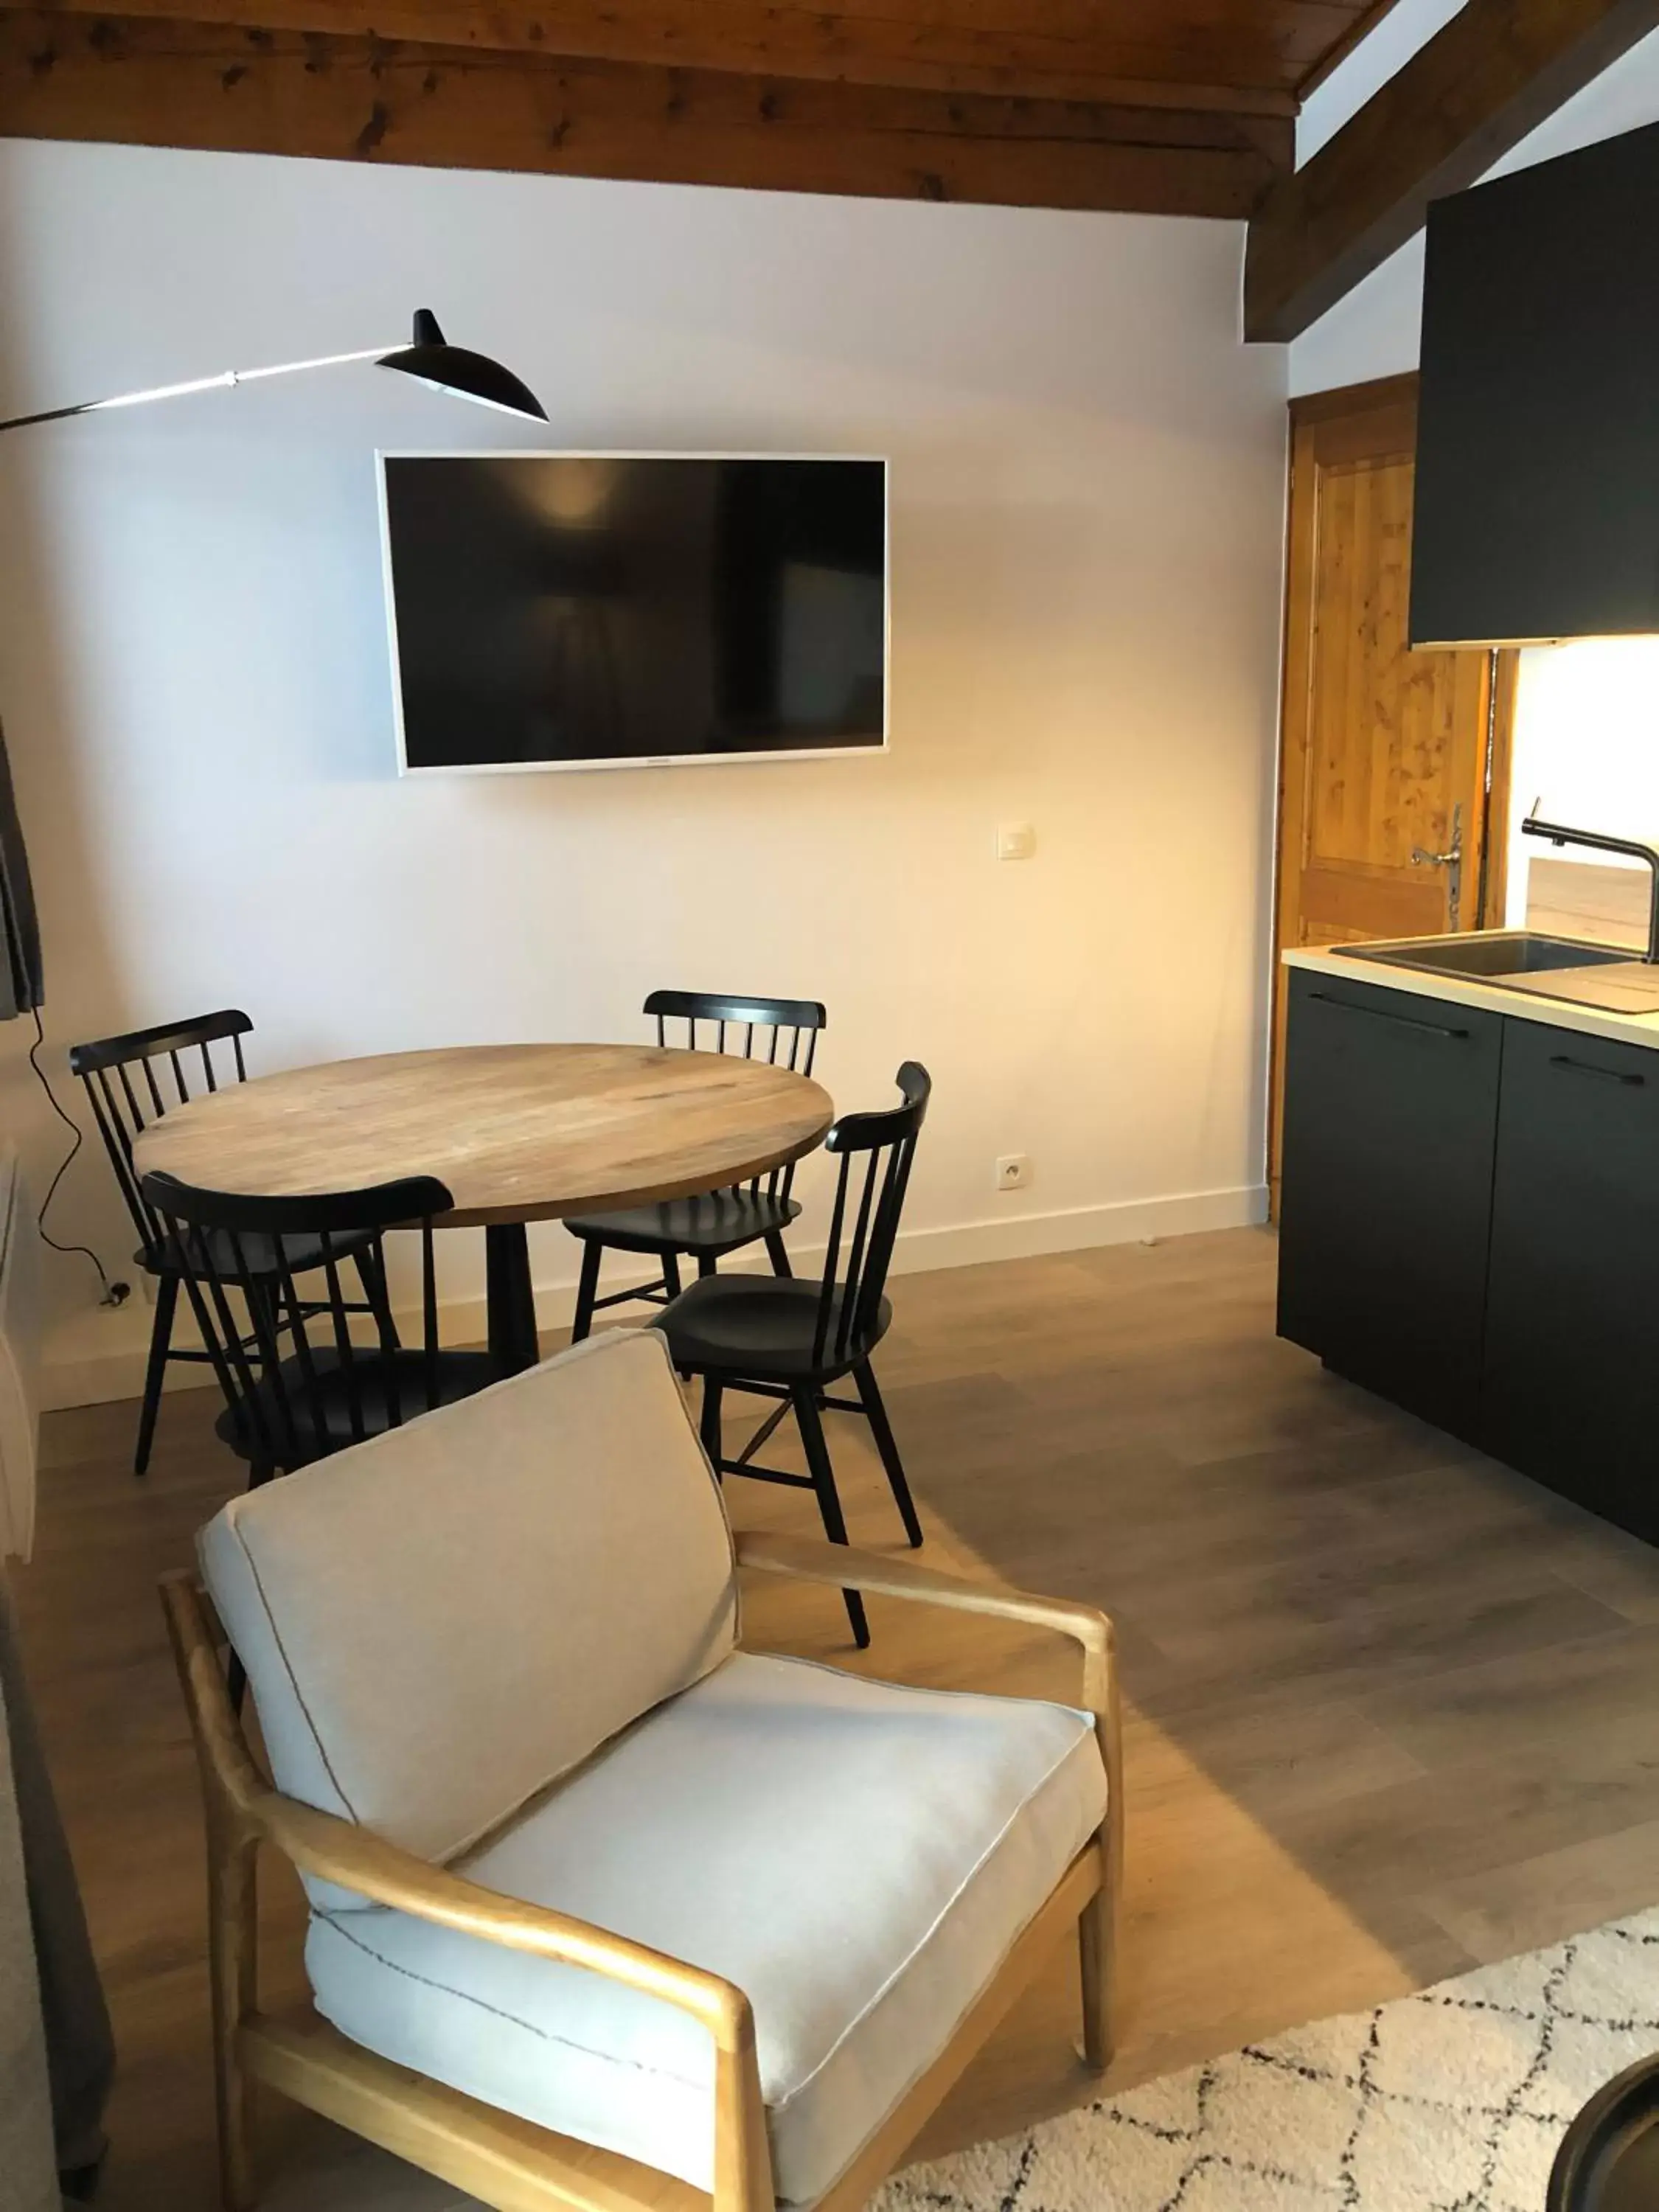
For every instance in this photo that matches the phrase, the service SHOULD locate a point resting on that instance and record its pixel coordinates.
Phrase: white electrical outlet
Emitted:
(1013, 1171)
(1016, 841)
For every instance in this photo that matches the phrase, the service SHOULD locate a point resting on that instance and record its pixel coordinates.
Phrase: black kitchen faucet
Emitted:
(1599, 842)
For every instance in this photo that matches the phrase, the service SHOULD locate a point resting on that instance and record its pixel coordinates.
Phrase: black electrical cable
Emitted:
(114, 1294)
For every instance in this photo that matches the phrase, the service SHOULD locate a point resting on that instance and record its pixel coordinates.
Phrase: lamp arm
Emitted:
(221, 383)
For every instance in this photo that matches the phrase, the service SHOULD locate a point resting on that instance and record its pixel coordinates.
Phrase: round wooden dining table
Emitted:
(515, 1133)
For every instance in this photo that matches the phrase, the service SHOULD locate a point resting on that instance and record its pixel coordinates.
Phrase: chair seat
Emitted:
(299, 1255)
(857, 1857)
(717, 1222)
(760, 1326)
(329, 1426)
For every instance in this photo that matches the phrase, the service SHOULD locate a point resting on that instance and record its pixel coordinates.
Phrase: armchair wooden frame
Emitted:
(510, 2163)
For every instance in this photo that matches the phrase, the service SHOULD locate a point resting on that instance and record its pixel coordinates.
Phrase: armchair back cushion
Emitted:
(440, 1622)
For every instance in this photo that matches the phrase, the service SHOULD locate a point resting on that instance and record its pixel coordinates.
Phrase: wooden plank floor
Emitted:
(1392, 1710)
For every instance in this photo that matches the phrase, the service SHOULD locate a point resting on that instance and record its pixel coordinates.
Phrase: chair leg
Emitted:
(160, 1340)
(780, 1257)
(881, 1430)
(743, 2155)
(706, 1266)
(587, 1289)
(232, 1938)
(823, 1482)
(1094, 1936)
(372, 1275)
(708, 1425)
(266, 1313)
(670, 1283)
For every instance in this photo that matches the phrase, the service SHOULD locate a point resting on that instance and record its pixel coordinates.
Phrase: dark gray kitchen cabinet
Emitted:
(1385, 1214)
(1469, 1226)
(1570, 1384)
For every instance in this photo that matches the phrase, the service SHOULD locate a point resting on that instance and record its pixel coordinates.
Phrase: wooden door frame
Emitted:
(1303, 412)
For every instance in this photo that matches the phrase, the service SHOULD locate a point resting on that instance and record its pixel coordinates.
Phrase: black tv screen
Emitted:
(591, 610)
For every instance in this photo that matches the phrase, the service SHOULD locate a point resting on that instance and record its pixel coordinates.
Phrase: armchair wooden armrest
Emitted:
(842, 1567)
(332, 1850)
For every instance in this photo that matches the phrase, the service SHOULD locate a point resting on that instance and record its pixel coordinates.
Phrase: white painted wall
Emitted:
(1587, 746)
(1087, 494)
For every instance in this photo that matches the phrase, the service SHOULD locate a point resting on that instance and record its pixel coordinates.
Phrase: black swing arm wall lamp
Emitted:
(429, 357)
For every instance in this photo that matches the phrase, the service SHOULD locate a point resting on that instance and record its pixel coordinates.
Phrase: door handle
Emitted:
(1387, 1014)
(1451, 860)
(1589, 1067)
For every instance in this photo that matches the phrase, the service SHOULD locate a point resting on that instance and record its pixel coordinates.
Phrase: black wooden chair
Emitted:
(790, 1339)
(132, 1081)
(297, 1384)
(784, 1033)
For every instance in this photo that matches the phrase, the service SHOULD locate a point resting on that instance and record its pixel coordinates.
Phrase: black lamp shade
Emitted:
(464, 375)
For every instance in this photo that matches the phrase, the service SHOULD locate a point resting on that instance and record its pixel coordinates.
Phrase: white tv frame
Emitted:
(641, 760)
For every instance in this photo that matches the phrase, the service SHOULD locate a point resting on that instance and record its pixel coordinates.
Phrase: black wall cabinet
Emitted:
(1470, 1227)
(1538, 417)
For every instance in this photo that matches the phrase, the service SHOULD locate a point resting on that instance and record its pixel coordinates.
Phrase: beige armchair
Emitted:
(608, 1911)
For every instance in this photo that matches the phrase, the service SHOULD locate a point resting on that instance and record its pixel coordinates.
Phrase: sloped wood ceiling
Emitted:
(1181, 108)
(1171, 106)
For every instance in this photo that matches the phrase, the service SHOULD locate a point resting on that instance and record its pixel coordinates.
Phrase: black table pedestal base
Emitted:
(513, 1344)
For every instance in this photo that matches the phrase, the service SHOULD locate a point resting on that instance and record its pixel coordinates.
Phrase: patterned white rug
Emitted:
(1453, 2100)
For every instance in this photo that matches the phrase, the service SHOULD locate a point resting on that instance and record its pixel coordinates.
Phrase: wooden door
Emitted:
(1393, 764)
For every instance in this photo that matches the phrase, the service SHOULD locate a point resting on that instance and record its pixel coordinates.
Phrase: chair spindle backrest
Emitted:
(239, 1257)
(876, 1150)
(133, 1080)
(783, 1032)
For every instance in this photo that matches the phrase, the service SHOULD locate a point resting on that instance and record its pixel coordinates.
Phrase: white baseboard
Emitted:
(99, 1355)
(1077, 1229)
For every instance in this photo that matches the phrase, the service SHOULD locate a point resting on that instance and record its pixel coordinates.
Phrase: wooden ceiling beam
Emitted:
(753, 37)
(1495, 71)
(163, 83)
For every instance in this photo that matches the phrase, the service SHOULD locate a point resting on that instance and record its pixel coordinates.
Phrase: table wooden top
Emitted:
(515, 1132)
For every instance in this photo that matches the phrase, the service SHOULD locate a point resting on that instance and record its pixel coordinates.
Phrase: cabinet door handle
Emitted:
(1385, 1014)
(1589, 1067)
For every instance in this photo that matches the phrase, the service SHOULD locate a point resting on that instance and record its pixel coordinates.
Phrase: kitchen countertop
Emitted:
(1520, 1003)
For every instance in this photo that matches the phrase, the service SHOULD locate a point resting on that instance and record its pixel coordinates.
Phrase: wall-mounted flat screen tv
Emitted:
(563, 610)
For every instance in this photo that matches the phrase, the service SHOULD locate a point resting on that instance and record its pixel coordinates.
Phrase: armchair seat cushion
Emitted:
(857, 1858)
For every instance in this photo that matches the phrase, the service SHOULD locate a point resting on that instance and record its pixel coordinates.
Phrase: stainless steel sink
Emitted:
(1496, 957)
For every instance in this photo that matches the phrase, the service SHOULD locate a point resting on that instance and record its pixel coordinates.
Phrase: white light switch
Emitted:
(1016, 841)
